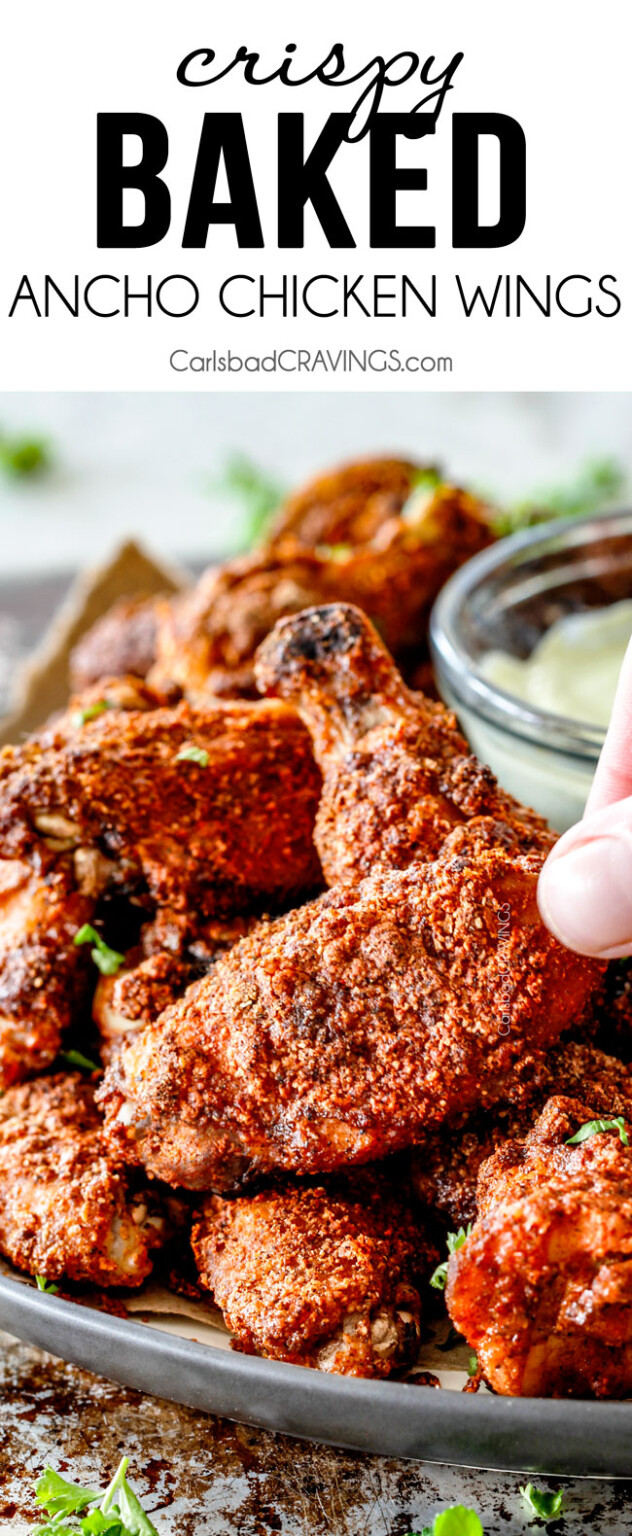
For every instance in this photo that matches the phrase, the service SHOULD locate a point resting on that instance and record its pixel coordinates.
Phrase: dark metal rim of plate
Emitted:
(562, 1437)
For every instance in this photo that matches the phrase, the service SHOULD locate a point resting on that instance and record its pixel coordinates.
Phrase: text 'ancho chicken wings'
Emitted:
(542, 1288)
(346, 1028)
(324, 1277)
(65, 1210)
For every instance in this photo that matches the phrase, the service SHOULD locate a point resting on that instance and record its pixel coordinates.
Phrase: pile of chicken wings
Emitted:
(256, 877)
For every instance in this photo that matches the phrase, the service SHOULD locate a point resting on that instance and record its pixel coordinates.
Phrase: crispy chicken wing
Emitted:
(208, 637)
(122, 643)
(65, 1209)
(343, 1030)
(327, 1277)
(202, 811)
(43, 976)
(397, 774)
(542, 1288)
(446, 1165)
(349, 505)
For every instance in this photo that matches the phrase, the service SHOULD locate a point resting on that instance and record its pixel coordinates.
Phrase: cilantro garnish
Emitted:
(91, 711)
(193, 754)
(23, 456)
(455, 1240)
(424, 483)
(472, 1365)
(258, 495)
(455, 1521)
(117, 1512)
(46, 1285)
(594, 1127)
(544, 1505)
(76, 1059)
(108, 961)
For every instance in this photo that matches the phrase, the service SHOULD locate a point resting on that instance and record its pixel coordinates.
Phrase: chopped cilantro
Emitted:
(544, 1505)
(108, 961)
(76, 1059)
(594, 1127)
(91, 711)
(46, 1285)
(455, 1240)
(193, 754)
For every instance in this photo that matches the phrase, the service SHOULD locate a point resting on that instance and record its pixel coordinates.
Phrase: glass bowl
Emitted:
(505, 599)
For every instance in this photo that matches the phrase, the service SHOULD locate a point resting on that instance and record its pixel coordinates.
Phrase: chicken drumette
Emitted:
(327, 1277)
(66, 1210)
(542, 1288)
(345, 1029)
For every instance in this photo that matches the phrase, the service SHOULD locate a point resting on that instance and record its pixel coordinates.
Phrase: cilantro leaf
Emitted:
(76, 1059)
(594, 1127)
(45, 1285)
(91, 711)
(598, 484)
(455, 1240)
(60, 1497)
(23, 456)
(258, 495)
(193, 754)
(454, 1521)
(108, 961)
(541, 1504)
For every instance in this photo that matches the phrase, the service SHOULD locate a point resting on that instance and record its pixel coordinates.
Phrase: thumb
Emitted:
(585, 886)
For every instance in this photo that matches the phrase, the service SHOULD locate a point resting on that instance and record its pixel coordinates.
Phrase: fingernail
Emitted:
(585, 897)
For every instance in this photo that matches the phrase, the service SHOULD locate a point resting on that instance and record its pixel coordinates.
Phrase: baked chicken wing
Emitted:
(542, 1288)
(66, 1211)
(43, 975)
(121, 644)
(346, 1028)
(202, 811)
(207, 638)
(327, 1277)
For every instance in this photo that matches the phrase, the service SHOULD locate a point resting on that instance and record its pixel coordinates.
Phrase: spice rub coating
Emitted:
(542, 1288)
(344, 1029)
(327, 1276)
(66, 1211)
(224, 830)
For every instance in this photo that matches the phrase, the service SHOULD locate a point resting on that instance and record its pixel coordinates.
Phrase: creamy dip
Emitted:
(574, 668)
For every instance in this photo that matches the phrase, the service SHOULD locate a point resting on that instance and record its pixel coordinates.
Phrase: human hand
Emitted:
(585, 887)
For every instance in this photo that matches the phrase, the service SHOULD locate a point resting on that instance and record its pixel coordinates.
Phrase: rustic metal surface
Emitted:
(201, 1476)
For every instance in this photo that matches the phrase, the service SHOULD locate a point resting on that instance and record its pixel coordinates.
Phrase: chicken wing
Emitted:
(542, 1288)
(43, 976)
(327, 1277)
(204, 812)
(66, 1210)
(121, 644)
(397, 774)
(349, 505)
(446, 1165)
(345, 1029)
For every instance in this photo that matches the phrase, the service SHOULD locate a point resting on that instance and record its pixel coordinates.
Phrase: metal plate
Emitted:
(388, 1418)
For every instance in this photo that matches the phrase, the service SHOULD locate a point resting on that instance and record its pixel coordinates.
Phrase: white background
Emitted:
(560, 68)
(146, 464)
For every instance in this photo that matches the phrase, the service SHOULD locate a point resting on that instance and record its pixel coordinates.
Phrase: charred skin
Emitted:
(44, 977)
